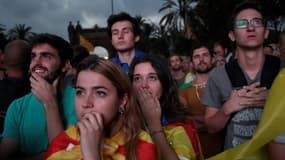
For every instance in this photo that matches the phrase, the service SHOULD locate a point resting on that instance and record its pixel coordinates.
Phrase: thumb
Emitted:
(55, 82)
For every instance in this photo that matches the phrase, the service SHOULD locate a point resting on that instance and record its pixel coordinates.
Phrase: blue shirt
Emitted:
(125, 66)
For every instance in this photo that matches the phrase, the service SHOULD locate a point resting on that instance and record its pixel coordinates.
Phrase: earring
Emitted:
(121, 110)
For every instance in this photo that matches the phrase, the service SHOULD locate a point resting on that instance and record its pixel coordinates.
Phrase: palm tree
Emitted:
(21, 31)
(180, 16)
(149, 34)
(3, 39)
(2, 28)
(148, 28)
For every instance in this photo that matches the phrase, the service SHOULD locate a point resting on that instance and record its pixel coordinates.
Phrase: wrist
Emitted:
(227, 108)
(156, 132)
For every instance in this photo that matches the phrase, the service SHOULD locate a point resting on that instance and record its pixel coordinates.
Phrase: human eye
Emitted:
(136, 78)
(46, 55)
(115, 32)
(207, 55)
(196, 57)
(79, 92)
(127, 30)
(33, 55)
(101, 93)
(242, 23)
(153, 77)
(257, 22)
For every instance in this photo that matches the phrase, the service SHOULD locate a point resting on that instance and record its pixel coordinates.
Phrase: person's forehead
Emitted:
(122, 24)
(201, 50)
(218, 46)
(248, 14)
(174, 57)
(45, 47)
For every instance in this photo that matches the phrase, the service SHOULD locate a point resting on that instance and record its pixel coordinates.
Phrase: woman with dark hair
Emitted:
(166, 119)
(109, 126)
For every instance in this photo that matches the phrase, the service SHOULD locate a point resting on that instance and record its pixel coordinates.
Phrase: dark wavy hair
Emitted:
(171, 107)
(131, 119)
(63, 48)
(123, 16)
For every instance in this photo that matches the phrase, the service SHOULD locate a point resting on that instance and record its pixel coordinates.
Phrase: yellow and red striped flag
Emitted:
(85, 43)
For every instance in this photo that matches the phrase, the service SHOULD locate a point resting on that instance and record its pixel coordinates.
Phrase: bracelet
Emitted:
(156, 132)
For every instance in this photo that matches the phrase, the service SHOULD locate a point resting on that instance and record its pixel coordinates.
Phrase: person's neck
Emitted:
(114, 128)
(127, 56)
(201, 77)
(251, 61)
(177, 74)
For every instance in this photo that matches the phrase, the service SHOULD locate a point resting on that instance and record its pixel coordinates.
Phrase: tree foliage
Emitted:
(209, 18)
(21, 31)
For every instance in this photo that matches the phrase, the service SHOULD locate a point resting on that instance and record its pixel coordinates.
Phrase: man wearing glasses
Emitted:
(236, 92)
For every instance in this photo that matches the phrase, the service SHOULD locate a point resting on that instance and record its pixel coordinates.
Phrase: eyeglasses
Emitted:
(243, 23)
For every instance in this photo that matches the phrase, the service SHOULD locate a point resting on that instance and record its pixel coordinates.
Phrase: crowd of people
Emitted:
(59, 102)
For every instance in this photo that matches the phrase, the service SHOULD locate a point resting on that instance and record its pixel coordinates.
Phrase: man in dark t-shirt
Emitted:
(16, 84)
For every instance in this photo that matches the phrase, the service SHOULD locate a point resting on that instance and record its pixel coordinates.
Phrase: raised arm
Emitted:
(46, 93)
(152, 113)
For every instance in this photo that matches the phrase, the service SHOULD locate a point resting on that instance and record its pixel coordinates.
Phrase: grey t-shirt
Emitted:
(280, 138)
(242, 124)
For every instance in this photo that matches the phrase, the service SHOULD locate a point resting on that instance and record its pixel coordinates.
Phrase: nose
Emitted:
(201, 59)
(250, 26)
(144, 83)
(88, 101)
(121, 34)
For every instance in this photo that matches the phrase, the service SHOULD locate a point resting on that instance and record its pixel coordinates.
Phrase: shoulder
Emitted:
(23, 100)
(218, 75)
(144, 136)
(146, 149)
(65, 143)
(217, 71)
(116, 59)
(139, 53)
(183, 137)
(25, 105)
(185, 86)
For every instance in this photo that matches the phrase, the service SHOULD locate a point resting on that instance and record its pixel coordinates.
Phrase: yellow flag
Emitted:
(85, 43)
(268, 128)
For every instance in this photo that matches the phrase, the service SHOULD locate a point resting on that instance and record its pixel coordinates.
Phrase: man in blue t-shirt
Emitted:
(124, 32)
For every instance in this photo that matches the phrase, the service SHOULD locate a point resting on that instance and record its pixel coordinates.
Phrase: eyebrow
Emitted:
(94, 87)
(44, 52)
(116, 29)
(249, 19)
(138, 74)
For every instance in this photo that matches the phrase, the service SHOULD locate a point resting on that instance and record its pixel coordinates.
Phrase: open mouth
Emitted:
(251, 37)
(39, 70)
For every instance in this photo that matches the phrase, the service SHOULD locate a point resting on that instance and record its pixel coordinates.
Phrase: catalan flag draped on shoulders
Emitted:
(66, 146)
(269, 127)
(184, 139)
